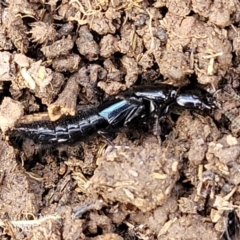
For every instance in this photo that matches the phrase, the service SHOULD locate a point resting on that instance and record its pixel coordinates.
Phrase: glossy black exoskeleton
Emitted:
(139, 102)
(159, 99)
(232, 226)
(197, 99)
(84, 124)
(155, 97)
(162, 97)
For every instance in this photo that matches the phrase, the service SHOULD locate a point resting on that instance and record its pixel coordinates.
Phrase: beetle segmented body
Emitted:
(137, 103)
(84, 124)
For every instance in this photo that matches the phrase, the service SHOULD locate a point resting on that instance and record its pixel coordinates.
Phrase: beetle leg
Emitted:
(136, 112)
(157, 128)
(108, 135)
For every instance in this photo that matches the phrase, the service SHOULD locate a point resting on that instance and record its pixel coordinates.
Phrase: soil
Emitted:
(56, 55)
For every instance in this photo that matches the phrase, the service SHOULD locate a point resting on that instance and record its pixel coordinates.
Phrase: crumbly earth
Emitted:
(55, 55)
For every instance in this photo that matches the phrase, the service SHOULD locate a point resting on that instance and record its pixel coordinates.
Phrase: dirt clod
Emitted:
(144, 189)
